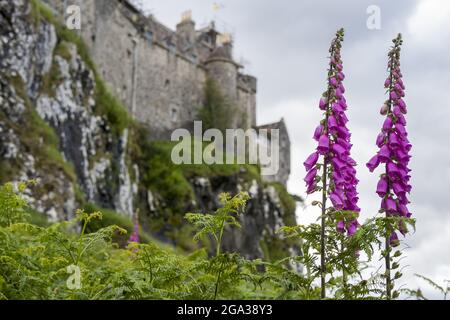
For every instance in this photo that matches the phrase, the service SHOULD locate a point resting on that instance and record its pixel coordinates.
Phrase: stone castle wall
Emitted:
(171, 66)
(159, 74)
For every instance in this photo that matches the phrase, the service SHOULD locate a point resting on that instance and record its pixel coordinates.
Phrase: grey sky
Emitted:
(286, 43)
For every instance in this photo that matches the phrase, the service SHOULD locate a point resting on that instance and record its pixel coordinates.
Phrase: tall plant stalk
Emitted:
(338, 180)
(394, 145)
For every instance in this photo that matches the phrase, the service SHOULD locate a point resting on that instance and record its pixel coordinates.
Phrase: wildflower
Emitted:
(334, 144)
(394, 145)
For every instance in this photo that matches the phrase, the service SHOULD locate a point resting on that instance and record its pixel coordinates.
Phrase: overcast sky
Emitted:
(286, 43)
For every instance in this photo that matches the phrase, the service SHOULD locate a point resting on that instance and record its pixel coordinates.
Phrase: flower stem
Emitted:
(322, 230)
(387, 256)
(323, 221)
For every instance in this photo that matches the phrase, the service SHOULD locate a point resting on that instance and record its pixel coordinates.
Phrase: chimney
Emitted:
(186, 27)
(226, 41)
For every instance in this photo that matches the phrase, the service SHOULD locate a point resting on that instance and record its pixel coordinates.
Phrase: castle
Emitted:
(159, 74)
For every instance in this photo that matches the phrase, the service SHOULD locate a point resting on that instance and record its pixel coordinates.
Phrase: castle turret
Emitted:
(224, 70)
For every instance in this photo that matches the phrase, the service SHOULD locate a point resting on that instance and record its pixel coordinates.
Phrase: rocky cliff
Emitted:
(60, 126)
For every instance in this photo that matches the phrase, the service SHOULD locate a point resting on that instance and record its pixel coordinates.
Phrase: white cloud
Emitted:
(430, 23)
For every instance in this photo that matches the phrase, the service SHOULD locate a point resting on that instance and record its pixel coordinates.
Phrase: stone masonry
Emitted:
(159, 73)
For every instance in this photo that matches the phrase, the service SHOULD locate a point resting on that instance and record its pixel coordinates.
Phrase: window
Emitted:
(149, 36)
(173, 114)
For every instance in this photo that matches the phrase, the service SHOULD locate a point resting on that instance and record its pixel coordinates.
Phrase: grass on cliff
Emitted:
(106, 103)
(37, 137)
(173, 182)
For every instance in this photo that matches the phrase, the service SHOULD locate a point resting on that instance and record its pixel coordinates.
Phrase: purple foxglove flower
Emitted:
(333, 82)
(310, 176)
(338, 165)
(334, 145)
(324, 144)
(393, 95)
(401, 119)
(332, 123)
(402, 156)
(343, 118)
(311, 188)
(391, 205)
(337, 108)
(393, 240)
(318, 132)
(323, 103)
(311, 161)
(380, 139)
(402, 105)
(382, 187)
(393, 141)
(398, 189)
(384, 154)
(134, 237)
(384, 110)
(373, 163)
(393, 185)
(351, 162)
(404, 212)
(392, 170)
(338, 179)
(336, 200)
(338, 150)
(401, 130)
(352, 226)
(340, 226)
(387, 125)
(397, 111)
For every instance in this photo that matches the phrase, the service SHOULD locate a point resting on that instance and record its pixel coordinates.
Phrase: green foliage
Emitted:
(12, 205)
(108, 105)
(215, 224)
(163, 177)
(216, 110)
(343, 266)
(112, 218)
(34, 260)
(171, 181)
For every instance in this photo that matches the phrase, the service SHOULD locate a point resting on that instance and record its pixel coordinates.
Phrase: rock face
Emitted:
(264, 215)
(56, 128)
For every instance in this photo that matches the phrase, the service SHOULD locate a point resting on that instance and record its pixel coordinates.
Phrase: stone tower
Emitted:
(224, 70)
